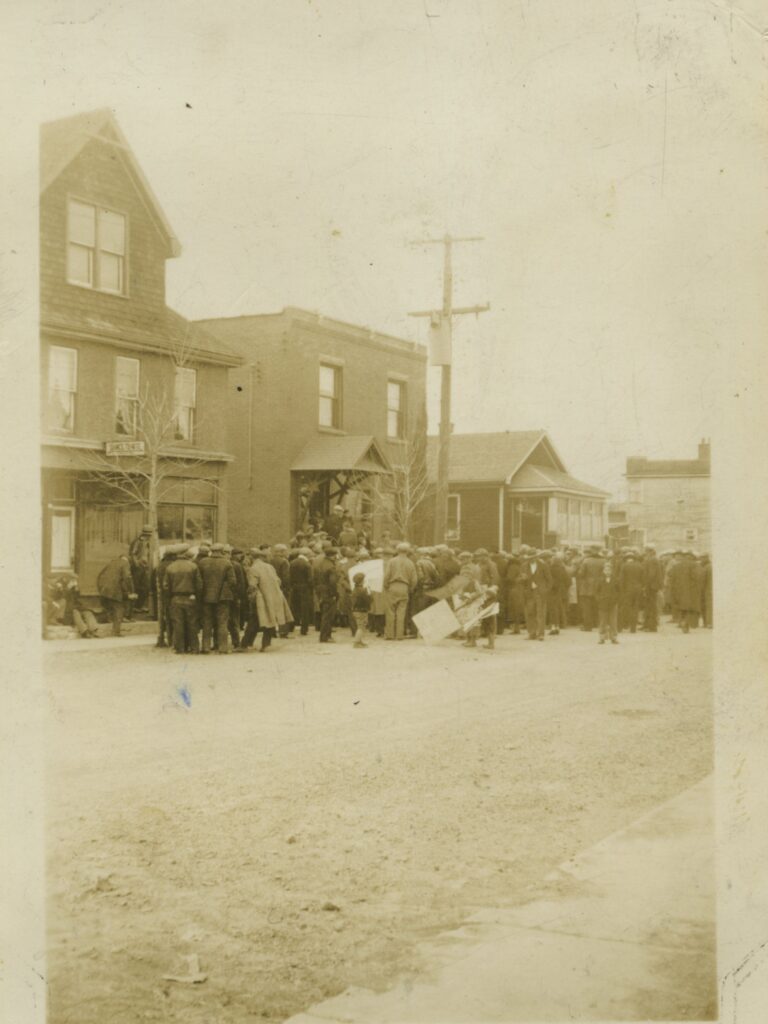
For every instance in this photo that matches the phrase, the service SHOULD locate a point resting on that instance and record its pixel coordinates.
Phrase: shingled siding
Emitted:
(479, 525)
(97, 175)
(280, 394)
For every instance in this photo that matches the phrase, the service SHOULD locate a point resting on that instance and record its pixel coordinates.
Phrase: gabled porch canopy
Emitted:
(340, 462)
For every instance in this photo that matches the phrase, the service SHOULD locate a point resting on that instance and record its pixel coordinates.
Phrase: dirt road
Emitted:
(290, 824)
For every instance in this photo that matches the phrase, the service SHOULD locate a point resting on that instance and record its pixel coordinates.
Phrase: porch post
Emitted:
(501, 518)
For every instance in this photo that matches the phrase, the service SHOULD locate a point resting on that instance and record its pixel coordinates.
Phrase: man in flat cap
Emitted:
(219, 590)
(184, 584)
(588, 574)
(400, 579)
(164, 625)
(326, 587)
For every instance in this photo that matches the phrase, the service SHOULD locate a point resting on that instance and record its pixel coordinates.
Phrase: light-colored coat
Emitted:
(264, 587)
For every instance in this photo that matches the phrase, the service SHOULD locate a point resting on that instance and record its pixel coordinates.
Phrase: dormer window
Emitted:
(96, 248)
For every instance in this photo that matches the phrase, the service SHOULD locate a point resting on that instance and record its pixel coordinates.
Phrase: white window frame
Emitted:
(72, 392)
(63, 512)
(402, 408)
(132, 399)
(335, 398)
(454, 534)
(94, 251)
(188, 434)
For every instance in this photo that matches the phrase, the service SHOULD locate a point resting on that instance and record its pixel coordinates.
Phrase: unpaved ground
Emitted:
(300, 820)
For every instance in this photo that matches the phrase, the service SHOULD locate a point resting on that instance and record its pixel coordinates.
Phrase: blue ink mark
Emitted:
(185, 695)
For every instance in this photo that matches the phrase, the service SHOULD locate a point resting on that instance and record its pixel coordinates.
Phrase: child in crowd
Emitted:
(360, 601)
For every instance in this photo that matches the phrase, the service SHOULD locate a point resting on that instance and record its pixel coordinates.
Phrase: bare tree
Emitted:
(150, 427)
(401, 494)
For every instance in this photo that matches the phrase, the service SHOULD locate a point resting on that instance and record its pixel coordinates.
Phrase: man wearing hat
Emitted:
(653, 581)
(335, 522)
(326, 586)
(115, 586)
(164, 627)
(536, 580)
(587, 576)
(400, 579)
(183, 585)
(140, 558)
(219, 589)
(300, 581)
(631, 580)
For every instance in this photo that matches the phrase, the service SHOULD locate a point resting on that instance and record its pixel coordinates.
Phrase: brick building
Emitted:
(131, 392)
(669, 501)
(512, 488)
(319, 411)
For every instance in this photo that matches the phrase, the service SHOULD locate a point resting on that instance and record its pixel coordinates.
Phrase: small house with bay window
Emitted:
(512, 488)
(132, 393)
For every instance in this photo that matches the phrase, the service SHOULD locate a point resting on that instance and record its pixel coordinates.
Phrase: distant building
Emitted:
(669, 500)
(512, 488)
(116, 362)
(319, 412)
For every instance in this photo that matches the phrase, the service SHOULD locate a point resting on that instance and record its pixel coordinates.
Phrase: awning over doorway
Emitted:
(342, 454)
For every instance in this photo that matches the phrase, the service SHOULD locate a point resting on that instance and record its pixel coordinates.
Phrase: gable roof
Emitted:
(489, 458)
(542, 478)
(342, 453)
(61, 141)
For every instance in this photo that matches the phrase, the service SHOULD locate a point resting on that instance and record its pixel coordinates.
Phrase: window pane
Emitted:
(61, 540)
(110, 272)
(82, 223)
(112, 231)
(171, 490)
(184, 424)
(393, 424)
(185, 386)
(80, 265)
(126, 416)
(198, 523)
(394, 391)
(62, 368)
(201, 492)
(127, 374)
(169, 522)
(326, 412)
(328, 380)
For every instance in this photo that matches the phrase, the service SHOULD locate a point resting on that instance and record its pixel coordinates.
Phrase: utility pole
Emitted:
(443, 320)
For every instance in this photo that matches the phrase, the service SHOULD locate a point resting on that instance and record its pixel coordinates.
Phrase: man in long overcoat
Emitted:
(302, 598)
(685, 590)
(326, 587)
(219, 590)
(630, 592)
(589, 572)
(115, 586)
(271, 607)
(536, 580)
(653, 581)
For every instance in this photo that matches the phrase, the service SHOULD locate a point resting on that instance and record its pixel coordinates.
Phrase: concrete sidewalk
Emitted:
(101, 642)
(624, 931)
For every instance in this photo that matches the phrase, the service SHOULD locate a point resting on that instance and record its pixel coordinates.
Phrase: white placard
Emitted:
(436, 622)
(373, 570)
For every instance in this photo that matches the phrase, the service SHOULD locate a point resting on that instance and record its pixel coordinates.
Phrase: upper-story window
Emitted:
(330, 396)
(96, 247)
(185, 402)
(62, 387)
(395, 409)
(127, 395)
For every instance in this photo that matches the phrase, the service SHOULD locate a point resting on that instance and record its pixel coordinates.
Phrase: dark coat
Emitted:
(607, 593)
(561, 579)
(539, 582)
(219, 580)
(653, 574)
(115, 581)
(241, 581)
(183, 579)
(281, 566)
(447, 567)
(326, 579)
(590, 571)
(632, 577)
(299, 573)
(685, 585)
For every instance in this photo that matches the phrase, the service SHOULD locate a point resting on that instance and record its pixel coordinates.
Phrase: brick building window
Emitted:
(96, 247)
(127, 395)
(453, 527)
(62, 387)
(185, 401)
(330, 396)
(396, 406)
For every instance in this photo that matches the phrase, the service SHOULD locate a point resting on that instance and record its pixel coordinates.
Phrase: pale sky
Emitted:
(601, 147)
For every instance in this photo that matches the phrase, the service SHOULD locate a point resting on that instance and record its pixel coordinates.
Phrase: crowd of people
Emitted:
(213, 597)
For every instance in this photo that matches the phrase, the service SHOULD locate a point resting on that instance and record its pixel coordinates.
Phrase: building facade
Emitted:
(132, 393)
(669, 501)
(320, 413)
(512, 488)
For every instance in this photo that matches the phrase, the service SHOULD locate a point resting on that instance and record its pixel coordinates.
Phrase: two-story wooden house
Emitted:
(133, 395)
(320, 411)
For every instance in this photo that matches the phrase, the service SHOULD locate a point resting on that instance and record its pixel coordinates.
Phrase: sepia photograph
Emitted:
(370, 324)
